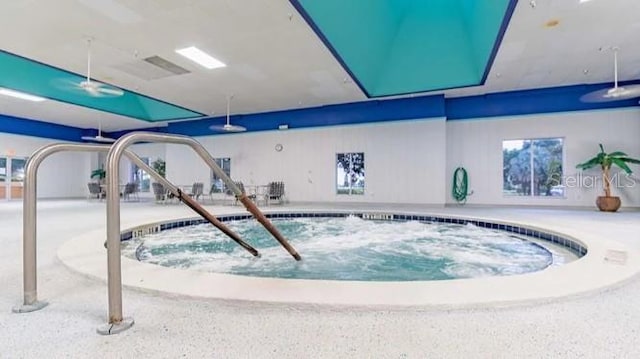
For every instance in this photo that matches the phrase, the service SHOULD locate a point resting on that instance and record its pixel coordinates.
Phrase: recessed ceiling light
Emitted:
(200, 57)
(581, 1)
(21, 95)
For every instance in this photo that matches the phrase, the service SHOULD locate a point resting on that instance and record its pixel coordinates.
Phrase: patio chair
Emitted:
(215, 192)
(251, 196)
(197, 190)
(159, 192)
(96, 190)
(275, 191)
(130, 190)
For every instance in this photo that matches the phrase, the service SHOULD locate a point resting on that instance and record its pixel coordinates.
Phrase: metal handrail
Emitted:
(116, 321)
(191, 203)
(30, 301)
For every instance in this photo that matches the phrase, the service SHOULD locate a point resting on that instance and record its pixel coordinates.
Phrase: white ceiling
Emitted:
(275, 61)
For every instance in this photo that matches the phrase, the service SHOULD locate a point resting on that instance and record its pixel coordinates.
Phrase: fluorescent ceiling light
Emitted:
(21, 95)
(581, 1)
(202, 58)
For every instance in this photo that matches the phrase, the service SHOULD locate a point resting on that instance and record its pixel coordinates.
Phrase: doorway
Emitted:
(11, 177)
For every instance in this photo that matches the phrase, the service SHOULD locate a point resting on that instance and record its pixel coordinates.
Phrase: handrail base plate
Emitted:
(27, 308)
(109, 328)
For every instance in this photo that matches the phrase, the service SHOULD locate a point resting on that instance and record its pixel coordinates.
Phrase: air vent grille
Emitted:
(166, 65)
(151, 68)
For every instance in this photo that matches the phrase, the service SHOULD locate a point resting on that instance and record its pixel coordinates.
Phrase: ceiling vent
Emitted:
(151, 68)
(166, 65)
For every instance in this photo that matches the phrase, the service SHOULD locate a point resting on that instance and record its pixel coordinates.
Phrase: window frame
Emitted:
(350, 188)
(532, 194)
(213, 177)
(140, 176)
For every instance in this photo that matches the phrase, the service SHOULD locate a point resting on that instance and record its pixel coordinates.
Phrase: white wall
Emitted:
(403, 160)
(66, 174)
(58, 175)
(477, 146)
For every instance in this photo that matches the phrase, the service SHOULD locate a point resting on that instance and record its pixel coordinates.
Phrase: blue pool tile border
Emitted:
(570, 244)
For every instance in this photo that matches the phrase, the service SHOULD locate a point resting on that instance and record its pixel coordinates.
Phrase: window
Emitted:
(350, 173)
(17, 169)
(217, 185)
(141, 177)
(12, 173)
(3, 169)
(532, 167)
(3, 177)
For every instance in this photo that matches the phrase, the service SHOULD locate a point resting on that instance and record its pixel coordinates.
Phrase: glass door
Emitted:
(16, 166)
(141, 177)
(3, 178)
(11, 177)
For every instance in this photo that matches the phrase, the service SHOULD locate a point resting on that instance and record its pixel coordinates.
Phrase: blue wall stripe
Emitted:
(21, 126)
(556, 99)
(525, 102)
(118, 134)
(331, 115)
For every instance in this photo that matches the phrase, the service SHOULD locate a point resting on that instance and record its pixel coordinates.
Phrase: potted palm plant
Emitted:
(608, 203)
(99, 173)
(159, 191)
(160, 166)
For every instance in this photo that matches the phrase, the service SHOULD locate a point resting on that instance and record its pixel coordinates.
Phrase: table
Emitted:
(257, 192)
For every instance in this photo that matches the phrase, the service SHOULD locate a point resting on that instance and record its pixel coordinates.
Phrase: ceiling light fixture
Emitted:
(616, 93)
(200, 57)
(87, 86)
(228, 127)
(581, 1)
(99, 137)
(21, 95)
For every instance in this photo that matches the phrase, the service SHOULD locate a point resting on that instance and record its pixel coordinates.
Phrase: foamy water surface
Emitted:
(347, 249)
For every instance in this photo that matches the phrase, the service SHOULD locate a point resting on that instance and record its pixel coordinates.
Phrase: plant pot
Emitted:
(608, 204)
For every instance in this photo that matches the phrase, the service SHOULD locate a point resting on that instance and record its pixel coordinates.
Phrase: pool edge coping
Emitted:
(592, 272)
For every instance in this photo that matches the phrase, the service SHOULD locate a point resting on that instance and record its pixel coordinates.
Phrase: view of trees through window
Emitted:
(141, 177)
(532, 167)
(350, 173)
(17, 169)
(217, 185)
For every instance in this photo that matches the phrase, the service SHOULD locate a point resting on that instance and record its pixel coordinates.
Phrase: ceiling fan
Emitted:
(616, 93)
(92, 87)
(228, 127)
(99, 137)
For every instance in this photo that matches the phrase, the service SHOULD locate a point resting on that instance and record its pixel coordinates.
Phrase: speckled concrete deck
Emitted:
(599, 324)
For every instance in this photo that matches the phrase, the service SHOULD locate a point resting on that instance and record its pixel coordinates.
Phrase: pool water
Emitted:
(348, 248)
